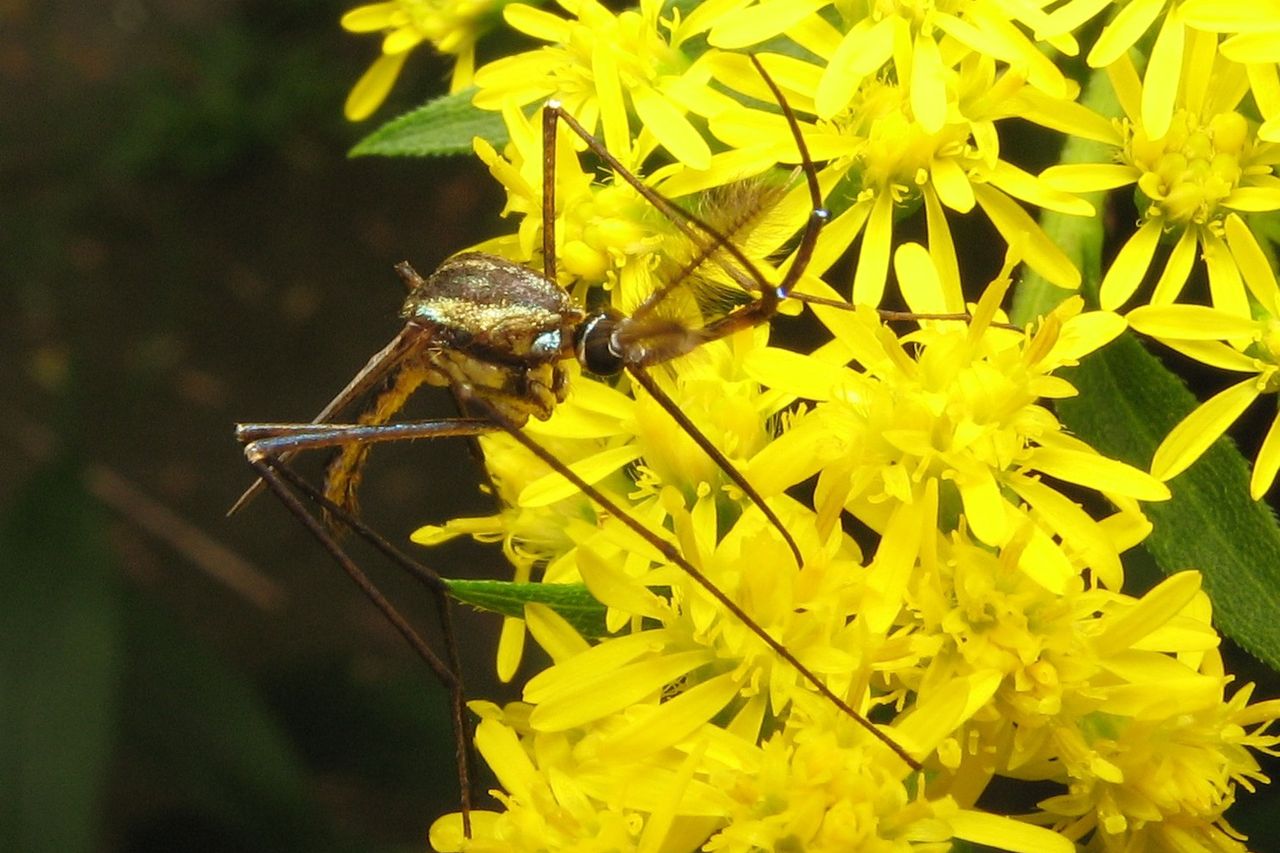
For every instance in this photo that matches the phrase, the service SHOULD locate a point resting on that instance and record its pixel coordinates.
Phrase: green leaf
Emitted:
(1128, 402)
(440, 127)
(60, 663)
(570, 600)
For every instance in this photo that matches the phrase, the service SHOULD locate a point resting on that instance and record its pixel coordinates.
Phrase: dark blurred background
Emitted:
(184, 245)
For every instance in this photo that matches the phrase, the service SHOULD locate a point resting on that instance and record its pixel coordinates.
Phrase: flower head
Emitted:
(601, 66)
(1205, 164)
(959, 412)
(451, 26)
(883, 159)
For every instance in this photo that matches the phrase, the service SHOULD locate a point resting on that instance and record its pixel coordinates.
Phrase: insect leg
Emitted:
(266, 443)
(677, 414)
(671, 553)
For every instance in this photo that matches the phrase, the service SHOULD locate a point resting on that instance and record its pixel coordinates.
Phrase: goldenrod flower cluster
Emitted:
(960, 581)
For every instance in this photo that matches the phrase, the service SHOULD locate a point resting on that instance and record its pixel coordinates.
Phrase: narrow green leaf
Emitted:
(1128, 402)
(572, 601)
(440, 127)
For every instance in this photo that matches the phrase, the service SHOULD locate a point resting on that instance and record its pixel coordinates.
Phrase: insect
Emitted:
(497, 334)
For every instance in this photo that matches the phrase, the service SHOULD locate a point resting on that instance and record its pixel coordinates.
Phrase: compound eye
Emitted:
(594, 346)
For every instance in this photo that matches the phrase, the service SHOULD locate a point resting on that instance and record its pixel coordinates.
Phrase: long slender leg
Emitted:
(677, 414)
(373, 371)
(266, 441)
(549, 191)
(671, 553)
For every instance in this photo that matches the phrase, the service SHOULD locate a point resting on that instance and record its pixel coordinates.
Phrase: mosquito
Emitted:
(496, 334)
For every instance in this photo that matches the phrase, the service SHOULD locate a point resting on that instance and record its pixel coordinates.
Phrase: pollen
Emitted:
(1192, 169)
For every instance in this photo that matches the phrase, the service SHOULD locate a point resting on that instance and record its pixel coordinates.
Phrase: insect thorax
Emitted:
(497, 331)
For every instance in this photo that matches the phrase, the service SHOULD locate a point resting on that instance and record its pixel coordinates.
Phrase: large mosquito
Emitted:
(495, 333)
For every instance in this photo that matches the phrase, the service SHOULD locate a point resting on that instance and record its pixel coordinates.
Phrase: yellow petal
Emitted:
(671, 128)
(1215, 354)
(1189, 322)
(1083, 334)
(984, 507)
(928, 84)
(402, 40)
(1129, 267)
(918, 279)
(446, 834)
(1160, 83)
(510, 648)
(1218, 17)
(1267, 463)
(942, 251)
(1252, 199)
(1189, 439)
(553, 632)
(1020, 230)
(863, 50)
(1176, 270)
(553, 487)
(838, 235)
(611, 102)
(1252, 48)
(600, 694)
(1029, 188)
(1080, 534)
(1226, 289)
(371, 18)
(1153, 610)
(795, 373)
(1005, 833)
(890, 571)
(1127, 86)
(1264, 85)
(611, 654)
(1124, 30)
(538, 23)
(1089, 177)
(948, 177)
(1253, 263)
(873, 258)
(372, 88)
(761, 22)
(1043, 561)
(658, 727)
(614, 588)
(1070, 17)
(508, 760)
(936, 717)
(1096, 471)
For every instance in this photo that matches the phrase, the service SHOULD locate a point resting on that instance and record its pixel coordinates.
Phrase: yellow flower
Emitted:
(1170, 66)
(1162, 778)
(1254, 31)
(958, 412)
(452, 26)
(816, 788)
(600, 64)
(1206, 165)
(1227, 342)
(558, 795)
(923, 41)
(605, 233)
(883, 160)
